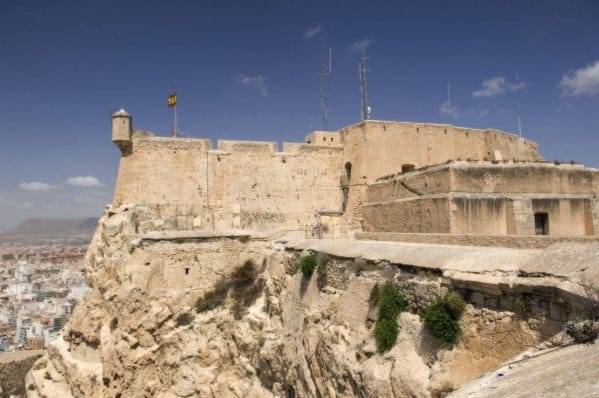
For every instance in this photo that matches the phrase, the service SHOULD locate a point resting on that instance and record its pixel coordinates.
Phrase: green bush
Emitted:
(440, 321)
(308, 265)
(391, 302)
(456, 303)
(385, 333)
(114, 322)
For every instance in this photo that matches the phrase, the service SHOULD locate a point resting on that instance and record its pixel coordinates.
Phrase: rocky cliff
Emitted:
(13, 366)
(180, 314)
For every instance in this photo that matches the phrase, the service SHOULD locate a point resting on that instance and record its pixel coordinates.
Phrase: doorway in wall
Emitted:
(541, 224)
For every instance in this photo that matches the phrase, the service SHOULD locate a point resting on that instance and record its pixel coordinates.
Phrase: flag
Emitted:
(172, 100)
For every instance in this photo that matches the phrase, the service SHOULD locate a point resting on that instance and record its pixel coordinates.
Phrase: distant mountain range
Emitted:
(52, 228)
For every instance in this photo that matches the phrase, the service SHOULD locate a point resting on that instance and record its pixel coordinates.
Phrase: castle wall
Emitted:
(383, 176)
(524, 178)
(265, 188)
(382, 148)
(566, 216)
(479, 216)
(376, 149)
(238, 185)
(422, 215)
(412, 184)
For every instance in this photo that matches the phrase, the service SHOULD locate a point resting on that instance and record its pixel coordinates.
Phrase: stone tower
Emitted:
(122, 127)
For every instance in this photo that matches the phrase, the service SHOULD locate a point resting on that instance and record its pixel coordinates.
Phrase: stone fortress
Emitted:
(416, 180)
(195, 287)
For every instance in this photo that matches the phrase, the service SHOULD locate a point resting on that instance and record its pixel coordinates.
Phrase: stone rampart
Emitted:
(240, 184)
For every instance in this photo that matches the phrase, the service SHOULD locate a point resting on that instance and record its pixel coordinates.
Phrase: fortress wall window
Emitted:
(541, 224)
(186, 271)
(407, 168)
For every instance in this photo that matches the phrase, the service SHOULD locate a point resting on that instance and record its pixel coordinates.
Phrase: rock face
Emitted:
(207, 314)
(13, 366)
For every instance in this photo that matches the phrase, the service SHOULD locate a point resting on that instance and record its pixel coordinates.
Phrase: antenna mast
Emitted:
(363, 69)
(519, 113)
(448, 100)
(325, 74)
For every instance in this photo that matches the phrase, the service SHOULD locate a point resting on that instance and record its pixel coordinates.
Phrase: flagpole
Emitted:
(175, 131)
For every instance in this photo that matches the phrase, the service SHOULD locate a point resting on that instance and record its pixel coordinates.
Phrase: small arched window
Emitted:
(348, 171)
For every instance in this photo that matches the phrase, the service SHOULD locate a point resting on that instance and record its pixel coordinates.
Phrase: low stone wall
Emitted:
(511, 241)
(13, 368)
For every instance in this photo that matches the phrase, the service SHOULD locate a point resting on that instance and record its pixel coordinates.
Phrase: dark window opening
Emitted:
(324, 138)
(348, 171)
(186, 271)
(405, 168)
(541, 224)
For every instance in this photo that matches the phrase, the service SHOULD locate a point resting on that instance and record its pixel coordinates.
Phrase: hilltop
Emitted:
(51, 228)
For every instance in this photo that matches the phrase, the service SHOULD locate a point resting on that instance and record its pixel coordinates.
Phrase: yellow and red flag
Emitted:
(172, 100)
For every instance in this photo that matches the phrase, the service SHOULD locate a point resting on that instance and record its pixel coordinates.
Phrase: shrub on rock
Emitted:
(308, 265)
(390, 303)
(441, 317)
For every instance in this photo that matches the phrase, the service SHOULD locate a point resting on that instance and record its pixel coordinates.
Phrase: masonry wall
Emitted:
(382, 148)
(237, 185)
(479, 216)
(525, 178)
(376, 149)
(566, 216)
(399, 186)
(422, 215)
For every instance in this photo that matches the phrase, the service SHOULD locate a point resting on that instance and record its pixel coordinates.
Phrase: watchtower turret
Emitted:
(122, 126)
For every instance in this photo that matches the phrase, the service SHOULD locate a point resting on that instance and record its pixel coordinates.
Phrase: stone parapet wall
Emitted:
(241, 184)
(537, 178)
(511, 241)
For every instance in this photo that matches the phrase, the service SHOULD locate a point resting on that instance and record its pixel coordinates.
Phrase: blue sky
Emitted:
(247, 70)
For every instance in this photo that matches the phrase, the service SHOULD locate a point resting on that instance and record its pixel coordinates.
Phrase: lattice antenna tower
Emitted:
(324, 74)
(363, 69)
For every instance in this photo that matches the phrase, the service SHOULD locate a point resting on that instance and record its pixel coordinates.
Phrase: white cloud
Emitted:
(491, 87)
(446, 110)
(497, 86)
(84, 181)
(256, 82)
(361, 44)
(36, 186)
(313, 31)
(519, 86)
(584, 81)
